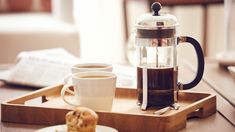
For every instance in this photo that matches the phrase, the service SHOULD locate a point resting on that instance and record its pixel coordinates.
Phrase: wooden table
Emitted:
(216, 122)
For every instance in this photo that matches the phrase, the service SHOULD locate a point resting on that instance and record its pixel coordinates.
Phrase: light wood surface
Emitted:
(216, 122)
(220, 80)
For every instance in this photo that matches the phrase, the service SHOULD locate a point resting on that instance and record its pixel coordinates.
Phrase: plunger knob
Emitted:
(156, 7)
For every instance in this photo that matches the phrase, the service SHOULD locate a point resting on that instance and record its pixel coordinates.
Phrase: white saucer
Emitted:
(63, 128)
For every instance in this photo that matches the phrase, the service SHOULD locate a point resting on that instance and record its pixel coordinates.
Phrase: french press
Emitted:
(157, 70)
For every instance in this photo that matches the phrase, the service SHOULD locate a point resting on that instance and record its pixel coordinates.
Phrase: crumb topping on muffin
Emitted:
(81, 119)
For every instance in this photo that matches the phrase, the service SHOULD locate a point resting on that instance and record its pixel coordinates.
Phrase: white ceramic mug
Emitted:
(92, 89)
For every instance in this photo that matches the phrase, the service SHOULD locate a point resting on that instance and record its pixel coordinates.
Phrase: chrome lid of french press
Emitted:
(157, 24)
(156, 20)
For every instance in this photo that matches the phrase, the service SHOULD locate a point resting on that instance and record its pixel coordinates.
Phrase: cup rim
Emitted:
(107, 66)
(94, 73)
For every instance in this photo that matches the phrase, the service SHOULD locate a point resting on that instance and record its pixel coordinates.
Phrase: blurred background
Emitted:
(101, 30)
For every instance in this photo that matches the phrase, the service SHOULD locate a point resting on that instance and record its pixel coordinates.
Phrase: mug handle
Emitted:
(67, 80)
(200, 60)
(62, 93)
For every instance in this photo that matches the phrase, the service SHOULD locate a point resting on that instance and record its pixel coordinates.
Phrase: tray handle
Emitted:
(39, 93)
(206, 109)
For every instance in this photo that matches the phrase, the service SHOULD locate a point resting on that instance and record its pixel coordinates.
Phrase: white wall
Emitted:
(101, 29)
(63, 10)
(216, 32)
(191, 23)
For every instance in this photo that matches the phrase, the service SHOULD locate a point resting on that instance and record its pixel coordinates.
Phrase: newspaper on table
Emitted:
(40, 68)
(48, 67)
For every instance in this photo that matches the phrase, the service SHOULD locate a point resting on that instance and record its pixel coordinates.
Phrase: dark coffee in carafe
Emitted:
(161, 83)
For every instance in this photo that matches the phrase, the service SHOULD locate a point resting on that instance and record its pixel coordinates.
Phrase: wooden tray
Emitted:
(45, 107)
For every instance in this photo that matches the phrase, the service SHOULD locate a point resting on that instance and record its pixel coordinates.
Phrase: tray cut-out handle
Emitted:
(39, 93)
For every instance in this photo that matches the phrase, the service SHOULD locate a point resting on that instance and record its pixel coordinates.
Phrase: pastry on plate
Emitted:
(81, 119)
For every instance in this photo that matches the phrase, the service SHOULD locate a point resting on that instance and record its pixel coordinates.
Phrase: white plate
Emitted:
(63, 128)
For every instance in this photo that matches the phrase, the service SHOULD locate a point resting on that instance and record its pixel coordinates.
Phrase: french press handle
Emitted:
(200, 61)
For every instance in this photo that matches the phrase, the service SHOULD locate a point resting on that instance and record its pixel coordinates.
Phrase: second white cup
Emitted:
(82, 67)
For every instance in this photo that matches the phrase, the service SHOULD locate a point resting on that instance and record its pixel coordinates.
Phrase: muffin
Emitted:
(81, 120)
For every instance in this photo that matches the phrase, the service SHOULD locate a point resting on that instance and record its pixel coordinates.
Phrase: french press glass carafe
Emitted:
(157, 70)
